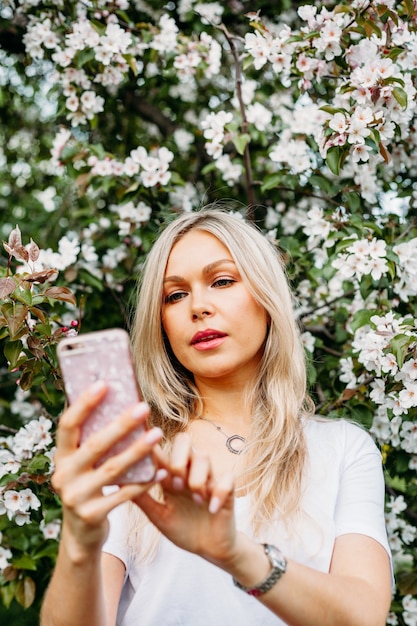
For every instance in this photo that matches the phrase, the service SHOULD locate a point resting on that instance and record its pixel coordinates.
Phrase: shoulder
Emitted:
(339, 437)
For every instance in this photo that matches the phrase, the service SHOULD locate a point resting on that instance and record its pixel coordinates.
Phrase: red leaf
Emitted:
(42, 277)
(60, 293)
(33, 250)
(15, 315)
(7, 286)
(15, 238)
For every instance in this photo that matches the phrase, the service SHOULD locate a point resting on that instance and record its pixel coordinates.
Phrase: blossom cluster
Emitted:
(153, 169)
(214, 127)
(410, 610)
(363, 257)
(372, 108)
(18, 500)
(399, 532)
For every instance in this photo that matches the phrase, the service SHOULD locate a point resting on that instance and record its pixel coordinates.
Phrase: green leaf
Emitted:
(353, 200)
(361, 318)
(371, 28)
(365, 285)
(393, 80)
(49, 550)
(399, 347)
(210, 167)
(26, 379)
(334, 159)
(38, 463)
(332, 110)
(25, 562)
(240, 142)
(401, 96)
(7, 593)
(247, 63)
(84, 57)
(321, 182)
(409, 6)
(345, 243)
(363, 414)
(89, 279)
(131, 61)
(271, 182)
(12, 351)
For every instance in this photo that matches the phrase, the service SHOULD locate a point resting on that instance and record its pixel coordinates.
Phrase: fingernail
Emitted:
(214, 505)
(178, 483)
(160, 475)
(198, 499)
(97, 387)
(140, 410)
(153, 435)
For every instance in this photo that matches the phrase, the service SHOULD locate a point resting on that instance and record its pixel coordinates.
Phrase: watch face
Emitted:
(279, 566)
(277, 557)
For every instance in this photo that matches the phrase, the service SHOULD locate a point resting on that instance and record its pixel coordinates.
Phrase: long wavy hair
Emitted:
(276, 452)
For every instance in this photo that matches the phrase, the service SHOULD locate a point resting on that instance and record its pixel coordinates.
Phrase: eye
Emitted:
(174, 297)
(223, 282)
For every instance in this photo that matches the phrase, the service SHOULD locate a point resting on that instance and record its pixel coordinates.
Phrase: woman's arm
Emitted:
(81, 591)
(197, 515)
(356, 592)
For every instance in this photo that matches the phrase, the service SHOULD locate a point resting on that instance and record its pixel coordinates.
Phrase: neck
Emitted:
(226, 407)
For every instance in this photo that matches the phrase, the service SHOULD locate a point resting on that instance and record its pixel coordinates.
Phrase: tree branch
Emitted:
(246, 154)
(150, 113)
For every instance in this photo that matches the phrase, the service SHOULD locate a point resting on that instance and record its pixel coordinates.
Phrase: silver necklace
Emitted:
(229, 438)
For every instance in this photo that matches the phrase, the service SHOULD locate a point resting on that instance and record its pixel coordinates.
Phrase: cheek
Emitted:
(169, 327)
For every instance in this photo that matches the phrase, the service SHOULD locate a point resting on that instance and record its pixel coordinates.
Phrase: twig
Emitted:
(325, 304)
(246, 154)
(8, 429)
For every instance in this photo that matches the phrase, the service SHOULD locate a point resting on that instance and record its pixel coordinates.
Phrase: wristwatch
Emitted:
(279, 567)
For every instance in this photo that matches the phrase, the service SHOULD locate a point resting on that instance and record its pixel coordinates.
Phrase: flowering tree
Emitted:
(119, 115)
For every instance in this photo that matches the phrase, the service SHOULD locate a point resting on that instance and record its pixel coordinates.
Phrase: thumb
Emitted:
(154, 510)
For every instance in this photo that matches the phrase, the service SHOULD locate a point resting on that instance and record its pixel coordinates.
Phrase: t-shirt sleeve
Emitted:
(116, 542)
(360, 502)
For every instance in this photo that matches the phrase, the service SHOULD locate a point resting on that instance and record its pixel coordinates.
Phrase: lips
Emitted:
(207, 337)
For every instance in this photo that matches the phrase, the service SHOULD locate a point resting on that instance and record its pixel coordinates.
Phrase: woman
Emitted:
(253, 490)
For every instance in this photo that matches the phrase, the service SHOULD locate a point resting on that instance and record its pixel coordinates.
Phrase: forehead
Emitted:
(196, 248)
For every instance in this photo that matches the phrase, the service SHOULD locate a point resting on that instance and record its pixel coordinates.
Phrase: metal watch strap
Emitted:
(279, 566)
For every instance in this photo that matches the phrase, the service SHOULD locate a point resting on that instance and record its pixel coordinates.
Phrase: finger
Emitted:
(154, 510)
(71, 420)
(116, 466)
(97, 444)
(222, 494)
(180, 459)
(86, 492)
(94, 509)
(129, 492)
(199, 477)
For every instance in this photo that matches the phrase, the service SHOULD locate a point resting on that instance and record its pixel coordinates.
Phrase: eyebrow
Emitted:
(206, 270)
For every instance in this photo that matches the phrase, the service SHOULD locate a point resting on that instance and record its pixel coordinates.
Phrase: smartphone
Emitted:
(105, 355)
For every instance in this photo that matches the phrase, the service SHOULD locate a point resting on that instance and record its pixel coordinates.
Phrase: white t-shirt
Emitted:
(344, 494)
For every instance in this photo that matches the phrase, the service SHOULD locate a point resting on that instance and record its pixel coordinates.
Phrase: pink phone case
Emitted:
(105, 355)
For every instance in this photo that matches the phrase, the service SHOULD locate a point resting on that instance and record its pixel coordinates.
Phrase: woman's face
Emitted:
(215, 327)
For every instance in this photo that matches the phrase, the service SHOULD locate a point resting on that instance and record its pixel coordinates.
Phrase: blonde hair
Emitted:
(275, 457)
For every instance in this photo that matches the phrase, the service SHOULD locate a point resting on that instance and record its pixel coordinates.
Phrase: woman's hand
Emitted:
(197, 513)
(80, 484)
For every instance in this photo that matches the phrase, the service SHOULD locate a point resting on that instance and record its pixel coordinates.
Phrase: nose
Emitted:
(200, 306)
(200, 314)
